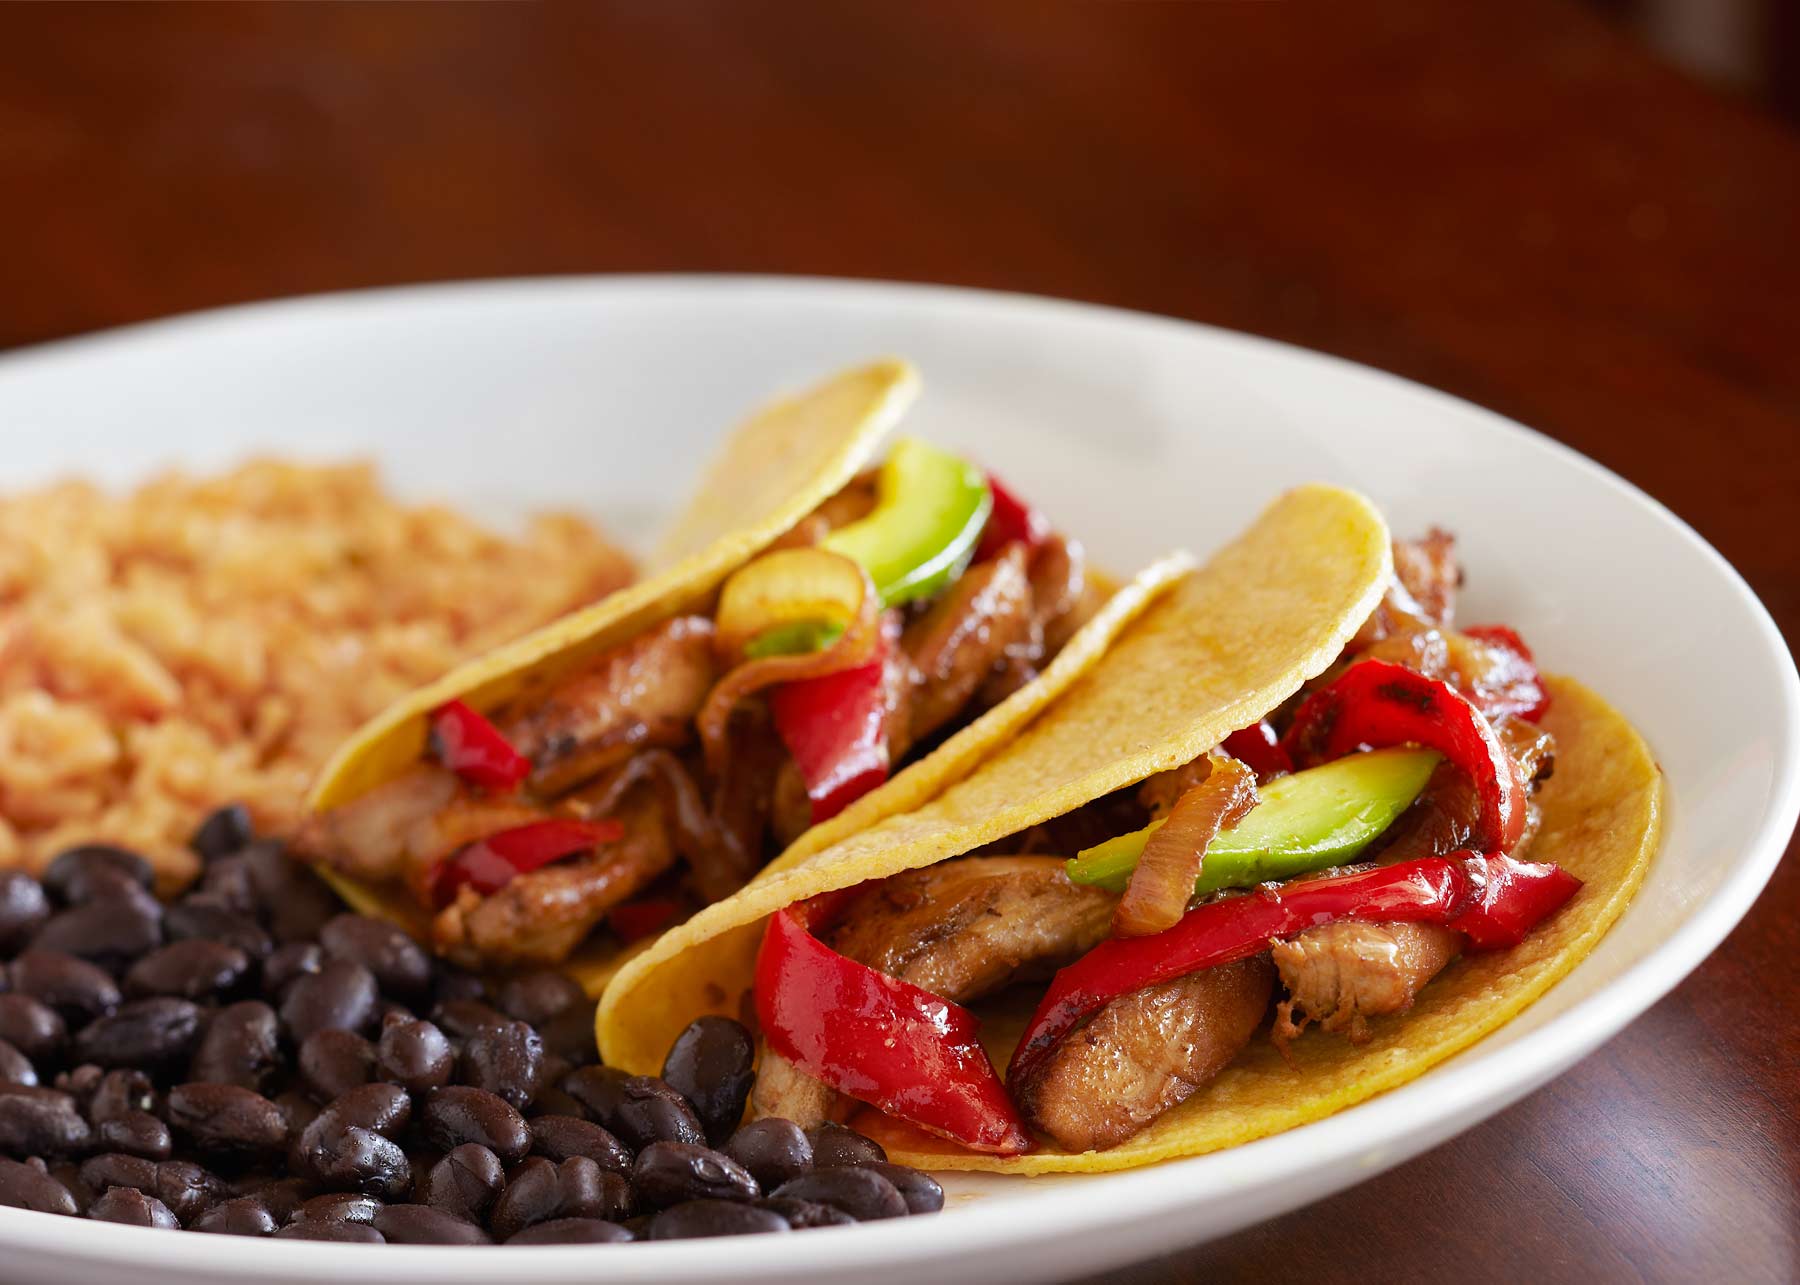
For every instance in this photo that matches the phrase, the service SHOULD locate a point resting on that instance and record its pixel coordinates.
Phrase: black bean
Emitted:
(400, 966)
(588, 1191)
(537, 997)
(242, 1046)
(340, 1207)
(147, 1033)
(801, 1214)
(458, 1114)
(297, 1109)
(465, 1182)
(15, 1067)
(109, 930)
(24, 1187)
(115, 1169)
(533, 1194)
(285, 963)
(226, 1120)
(423, 1225)
(194, 969)
(923, 1193)
(861, 1193)
(228, 882)
(668, 1173)
(299, 905)
(449, 983)
(415, 1054)
(461, 1018)
(68, 1173)
(359, 1233)
(224, 831)
(32, 1027)
(198, 919)
(572, 1231)
(560, 1136)
(772, 1149)
(837, 1147)
(129, 1205)
(570, 1035)
(506, 1060)
(79, 874)
(356, 1158)
(332, 1062)
(711, 1064)
(388, 1010)
(76, 989)
(41, 1122)
(188, 1188)
(282, 1197)
(242, 1216)
(385, 1108)
(342, 994)
(23, 909)
(700, 1218)
(639, 1109)
(136, 1133)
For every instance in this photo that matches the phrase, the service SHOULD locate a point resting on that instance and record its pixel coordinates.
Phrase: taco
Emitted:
(817, 629)
(1286, 846)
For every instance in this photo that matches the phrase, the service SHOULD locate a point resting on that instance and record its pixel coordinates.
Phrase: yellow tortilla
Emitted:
(1602, 815)
(1215, 653)
(774, 470)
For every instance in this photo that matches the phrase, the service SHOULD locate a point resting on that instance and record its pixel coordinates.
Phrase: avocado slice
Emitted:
(930, 508)
(1321, 817)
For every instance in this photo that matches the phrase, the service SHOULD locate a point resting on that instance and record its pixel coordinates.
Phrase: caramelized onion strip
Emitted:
(1163, 883)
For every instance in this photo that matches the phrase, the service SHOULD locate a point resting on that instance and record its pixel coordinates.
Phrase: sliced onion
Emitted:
(802, 584)
(1163, 883)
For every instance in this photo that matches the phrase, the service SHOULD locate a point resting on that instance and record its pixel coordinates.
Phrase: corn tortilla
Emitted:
(1602, 815)
(774, 470)
(1216, 652)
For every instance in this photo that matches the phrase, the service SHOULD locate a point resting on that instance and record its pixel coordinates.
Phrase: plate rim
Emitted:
(1149, 1192)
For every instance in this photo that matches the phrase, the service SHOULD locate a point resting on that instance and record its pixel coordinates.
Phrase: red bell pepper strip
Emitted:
(1259, 749)
(881, 1040)
(1012, 519)
(635, 919)
(473, 748)
(1378, 703)
(1507, 898)
(1516, 687)
(489, 864)
(1431, 890)
(836, 727)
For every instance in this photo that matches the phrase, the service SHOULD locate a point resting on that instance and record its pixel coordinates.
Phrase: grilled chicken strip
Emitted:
(645, 692)
(402, 829)
(540, 916)
(961, 930)
(967, 928)
(957, 643)
(1144, 1053)
(1341, 974)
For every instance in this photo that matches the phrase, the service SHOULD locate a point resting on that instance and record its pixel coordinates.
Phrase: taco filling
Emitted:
(663, 772)
(1306, 879)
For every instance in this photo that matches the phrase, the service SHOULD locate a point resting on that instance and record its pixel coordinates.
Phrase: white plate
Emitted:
(1138, 433)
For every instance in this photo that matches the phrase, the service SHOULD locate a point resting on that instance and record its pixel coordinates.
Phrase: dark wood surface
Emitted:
(1511, 202)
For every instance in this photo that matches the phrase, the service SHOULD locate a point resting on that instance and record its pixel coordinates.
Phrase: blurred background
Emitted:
(1752, 46)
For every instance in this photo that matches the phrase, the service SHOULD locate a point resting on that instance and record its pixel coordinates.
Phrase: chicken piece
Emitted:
(1341, 974)
(1142, 1054)
(1422, 594)
(1158, 793)
(645, 692)
(366, 837)
(790, 813)
(966, 928)
(786, 1092)
(956, 645)
(854, 502)
(542, 915)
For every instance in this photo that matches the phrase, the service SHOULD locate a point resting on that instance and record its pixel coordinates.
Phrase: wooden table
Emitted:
(1510, 202)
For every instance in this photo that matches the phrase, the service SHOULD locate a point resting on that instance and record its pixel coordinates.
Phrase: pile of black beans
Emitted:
(252, 1059)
